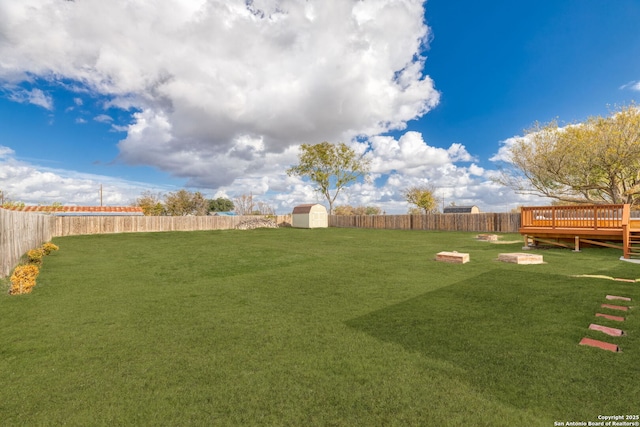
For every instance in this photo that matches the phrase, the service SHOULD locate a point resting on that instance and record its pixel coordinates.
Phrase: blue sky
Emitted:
(502, 65)
(216, 96)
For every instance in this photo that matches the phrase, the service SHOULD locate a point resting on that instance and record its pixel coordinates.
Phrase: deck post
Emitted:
(577, 244)
(626, 215)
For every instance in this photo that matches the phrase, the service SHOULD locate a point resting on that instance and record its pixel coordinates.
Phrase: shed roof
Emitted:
(81, 210)
(305, 209)
(459, 209)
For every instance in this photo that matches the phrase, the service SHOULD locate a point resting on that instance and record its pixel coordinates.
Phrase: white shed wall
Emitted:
(300, 221)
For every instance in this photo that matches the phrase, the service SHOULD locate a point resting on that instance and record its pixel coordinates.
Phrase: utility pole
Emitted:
(100, 195)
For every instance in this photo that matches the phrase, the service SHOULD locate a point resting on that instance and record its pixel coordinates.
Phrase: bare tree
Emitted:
(244, 204)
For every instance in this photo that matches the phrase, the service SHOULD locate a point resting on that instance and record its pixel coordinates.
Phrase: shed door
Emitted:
(316, 219)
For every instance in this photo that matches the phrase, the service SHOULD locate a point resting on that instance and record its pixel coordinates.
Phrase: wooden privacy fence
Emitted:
(78, 225)
(20, 232)
(481, 222)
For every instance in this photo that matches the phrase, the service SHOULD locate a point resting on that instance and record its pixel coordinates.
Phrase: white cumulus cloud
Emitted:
(33, 96)
(412, 155)
(207, 76)
(33, 184)
(223, 92)
(504, 152)
(633, 85)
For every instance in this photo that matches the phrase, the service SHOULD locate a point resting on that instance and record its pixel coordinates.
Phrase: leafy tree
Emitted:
(330, 167)
(9, 204)
(413, 210)
(372, 210)
(199, 204)
(6, 202)
(343, 210)
(597, 161)
(423, 197)
(357, 210)
(221, 205)
(183, 202)
(151, 203)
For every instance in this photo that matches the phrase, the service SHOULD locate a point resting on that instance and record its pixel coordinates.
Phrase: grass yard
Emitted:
(328, 327)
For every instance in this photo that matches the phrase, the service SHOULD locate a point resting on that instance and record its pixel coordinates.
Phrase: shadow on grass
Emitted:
(514, 337)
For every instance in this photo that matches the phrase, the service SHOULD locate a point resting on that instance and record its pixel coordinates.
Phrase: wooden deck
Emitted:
(570, 226)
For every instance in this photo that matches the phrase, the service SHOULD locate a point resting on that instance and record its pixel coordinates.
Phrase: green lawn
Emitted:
(328, 327)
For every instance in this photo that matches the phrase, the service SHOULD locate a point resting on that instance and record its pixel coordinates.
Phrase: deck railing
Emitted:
(592, 217)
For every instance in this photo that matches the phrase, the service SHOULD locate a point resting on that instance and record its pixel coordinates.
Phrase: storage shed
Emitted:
(310, 216)
(462, 209)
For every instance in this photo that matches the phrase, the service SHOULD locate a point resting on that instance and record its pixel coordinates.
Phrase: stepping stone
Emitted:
(452, 257)
(610, 317)
(521, 258)
(487, 237)
(609, 331)
(599, 344)
(615, 307)
(612, 297)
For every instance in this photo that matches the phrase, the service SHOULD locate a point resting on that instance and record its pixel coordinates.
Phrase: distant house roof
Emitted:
(223, 213)
(304, 209)
(461, 209)
(81, 210)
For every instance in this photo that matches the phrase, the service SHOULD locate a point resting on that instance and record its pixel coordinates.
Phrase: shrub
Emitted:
(49, 247)
(35, 256)
(23, 279)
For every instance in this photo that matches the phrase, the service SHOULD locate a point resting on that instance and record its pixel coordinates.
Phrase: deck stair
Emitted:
(633, 248)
